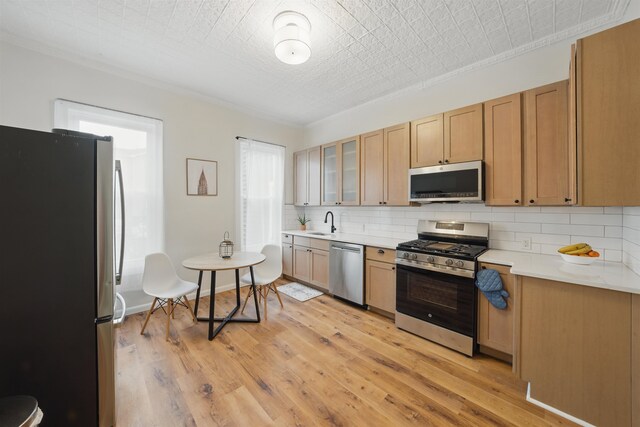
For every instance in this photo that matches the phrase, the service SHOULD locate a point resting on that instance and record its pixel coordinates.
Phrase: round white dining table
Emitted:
(213, 262)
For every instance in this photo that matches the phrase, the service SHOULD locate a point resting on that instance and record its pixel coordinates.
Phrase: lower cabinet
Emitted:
(577, 349)
(380, 273)
(310, 261)
(495, 327)
(287, 259)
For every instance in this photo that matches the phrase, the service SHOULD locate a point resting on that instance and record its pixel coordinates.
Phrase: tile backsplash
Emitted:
(631, 238)
(525, 229)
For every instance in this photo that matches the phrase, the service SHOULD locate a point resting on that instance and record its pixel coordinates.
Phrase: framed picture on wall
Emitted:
(202, 177)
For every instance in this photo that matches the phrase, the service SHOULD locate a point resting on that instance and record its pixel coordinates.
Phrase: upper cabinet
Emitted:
(306, 172)
(341, 172)
(384, 166)
(503, 150)
(463, 134)
(608, 119)
(452, 137)
(427, 141)
(547, 165)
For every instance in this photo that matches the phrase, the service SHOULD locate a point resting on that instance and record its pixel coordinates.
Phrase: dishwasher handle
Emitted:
(338, 248)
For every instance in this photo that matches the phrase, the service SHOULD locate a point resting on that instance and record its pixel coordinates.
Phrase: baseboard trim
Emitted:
(554, 410)
(192, 296)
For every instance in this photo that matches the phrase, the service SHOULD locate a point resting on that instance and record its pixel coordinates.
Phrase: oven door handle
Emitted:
(455, 272)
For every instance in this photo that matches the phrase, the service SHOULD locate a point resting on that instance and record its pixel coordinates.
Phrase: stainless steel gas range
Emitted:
(435, 282)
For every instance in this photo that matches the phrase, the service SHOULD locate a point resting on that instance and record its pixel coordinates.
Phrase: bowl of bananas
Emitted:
(580, 253)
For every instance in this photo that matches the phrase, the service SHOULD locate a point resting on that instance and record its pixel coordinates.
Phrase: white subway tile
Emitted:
(632, 262)
(631, 235)
(594, 219)
(631, 210)
(507, 245)
(598, 242)
(613, 231)
(571, 209)
(612, 255)
(503, 235)
(543, 218)
(583, 230)
(632, 221)
(550, 239)
(613, 209)
(515, 226)
(516, 209)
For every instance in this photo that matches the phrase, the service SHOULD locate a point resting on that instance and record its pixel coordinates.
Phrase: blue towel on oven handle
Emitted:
(490, 284)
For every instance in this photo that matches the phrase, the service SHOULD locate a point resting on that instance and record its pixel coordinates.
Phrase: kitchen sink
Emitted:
(319, 233)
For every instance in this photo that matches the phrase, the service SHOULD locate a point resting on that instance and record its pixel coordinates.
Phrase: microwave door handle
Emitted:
(122, 220)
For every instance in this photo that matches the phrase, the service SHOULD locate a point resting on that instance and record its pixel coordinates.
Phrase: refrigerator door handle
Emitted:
(122, 219)
(105, 235)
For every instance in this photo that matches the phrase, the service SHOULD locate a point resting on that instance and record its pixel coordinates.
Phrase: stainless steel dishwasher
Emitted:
(346, 273)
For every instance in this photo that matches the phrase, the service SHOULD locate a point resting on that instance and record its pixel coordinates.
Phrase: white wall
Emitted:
(31, 81)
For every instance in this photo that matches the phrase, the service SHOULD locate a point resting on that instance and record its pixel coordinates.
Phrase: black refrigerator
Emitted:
(57, 273)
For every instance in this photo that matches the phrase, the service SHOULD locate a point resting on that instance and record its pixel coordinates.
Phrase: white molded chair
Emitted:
(161, 282)
(265, 274)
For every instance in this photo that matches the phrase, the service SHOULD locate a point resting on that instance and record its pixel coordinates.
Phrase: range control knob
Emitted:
(431, 259)
(405, 255)
(449, 262)
(414, 256)
(459, 263)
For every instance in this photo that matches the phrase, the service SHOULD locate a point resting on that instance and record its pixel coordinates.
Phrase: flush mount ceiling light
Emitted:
(291, 39)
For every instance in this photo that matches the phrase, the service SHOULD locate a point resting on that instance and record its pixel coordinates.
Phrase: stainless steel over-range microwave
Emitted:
(458, 182)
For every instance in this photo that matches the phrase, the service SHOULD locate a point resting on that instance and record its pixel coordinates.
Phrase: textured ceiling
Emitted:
(361, 49)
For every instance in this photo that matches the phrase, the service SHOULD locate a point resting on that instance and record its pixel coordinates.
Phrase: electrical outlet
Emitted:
(526, 243)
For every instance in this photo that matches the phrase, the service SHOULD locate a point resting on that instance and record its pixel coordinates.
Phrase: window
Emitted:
(138, 145)
(261, 190)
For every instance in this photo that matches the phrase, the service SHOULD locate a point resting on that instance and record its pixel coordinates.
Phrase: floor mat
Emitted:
(298, 291)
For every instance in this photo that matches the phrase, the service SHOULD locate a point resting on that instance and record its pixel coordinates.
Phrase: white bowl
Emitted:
(583, 260)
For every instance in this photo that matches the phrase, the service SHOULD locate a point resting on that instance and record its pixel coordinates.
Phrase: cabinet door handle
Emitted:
(440, 161)
(379, 203)
(384, 203)
(393, 268)
(380, 251)
(566, 199)
(532, 201)
(446, 160)
(516, 201)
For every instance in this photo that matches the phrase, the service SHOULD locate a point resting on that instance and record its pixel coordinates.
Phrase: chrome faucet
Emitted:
(333, 229)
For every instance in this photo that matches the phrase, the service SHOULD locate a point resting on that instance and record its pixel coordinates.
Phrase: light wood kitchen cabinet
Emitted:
(306, 172)
(396, 165)
(547, 165)
(287, 255)
(341, 172)
(301, 263)
(463, 134)
(319, 268)
(372, 168)
(503, 151)
(427, 141)
(495, 327)
(311, 261)
(384, 166)
(576, 349)
(452, 137)
(608, 95)
(380, 273)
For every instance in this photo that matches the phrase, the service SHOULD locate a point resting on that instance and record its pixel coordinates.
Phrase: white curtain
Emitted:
(138, 145)
(261, 193)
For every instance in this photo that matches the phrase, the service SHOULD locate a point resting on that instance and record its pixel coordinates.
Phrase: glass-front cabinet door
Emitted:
(349, 171)
(341, 172)
(330, 174)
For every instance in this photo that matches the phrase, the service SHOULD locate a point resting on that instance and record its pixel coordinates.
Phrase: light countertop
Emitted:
(601, 274)
(359, 239)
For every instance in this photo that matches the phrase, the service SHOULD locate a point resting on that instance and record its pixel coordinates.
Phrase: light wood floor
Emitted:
(321, 362)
